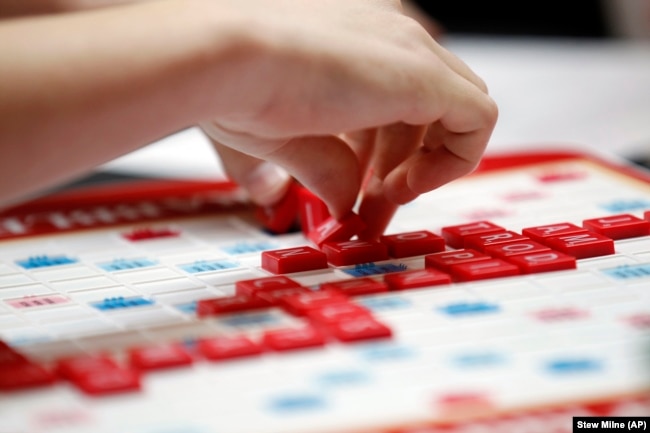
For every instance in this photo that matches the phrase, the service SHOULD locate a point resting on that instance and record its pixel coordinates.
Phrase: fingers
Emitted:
(392, 146)
(407, 163)
(265, 183)
(375, 209)
(326, 165)
(362, 144)
(439, 119)
(409, 160)
(444, 156)
(424, 172)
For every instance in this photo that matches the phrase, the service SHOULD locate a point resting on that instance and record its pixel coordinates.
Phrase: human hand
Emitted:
(337, 92)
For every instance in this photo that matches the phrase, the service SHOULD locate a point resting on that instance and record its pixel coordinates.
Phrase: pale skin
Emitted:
(352, 98)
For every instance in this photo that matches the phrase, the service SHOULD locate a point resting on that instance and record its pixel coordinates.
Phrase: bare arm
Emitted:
(80, 89)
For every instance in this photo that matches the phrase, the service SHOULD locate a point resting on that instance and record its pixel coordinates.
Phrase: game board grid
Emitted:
(428, 347)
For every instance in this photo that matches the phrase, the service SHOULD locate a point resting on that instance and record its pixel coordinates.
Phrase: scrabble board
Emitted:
(507, 301)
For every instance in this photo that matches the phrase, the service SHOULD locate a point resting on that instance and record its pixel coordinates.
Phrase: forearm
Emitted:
(68, 102)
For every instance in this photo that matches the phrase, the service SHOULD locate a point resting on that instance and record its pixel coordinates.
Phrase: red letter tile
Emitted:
(445, 260)
(541, 233)
(333, 313)
(482, 241)
(618, 226)
(228, 347)
(582, 245)
(293, 338)
(455, 235)
(108, 381)
(492, 268)
(332, 230)
(291, 260)
(413, 243)
(9, 356)
(229, 304)
(354, 252)
(543, 262)
(515, 248)
(301, 304)
(416, 279)
(356, 286)
(159, 356)
(17, 376)
(250, 287)
(98, 374)
(361, 328)
(74, 367)
(312, 210)
(274, 296)
(281, 216)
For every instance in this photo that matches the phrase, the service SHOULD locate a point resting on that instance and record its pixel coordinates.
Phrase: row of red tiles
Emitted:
(486, 251)
(329, 316)
(303, 207)
(595, 237)
(333, 318)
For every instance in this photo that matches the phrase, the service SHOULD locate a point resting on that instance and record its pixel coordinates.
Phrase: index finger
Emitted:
(453, 145)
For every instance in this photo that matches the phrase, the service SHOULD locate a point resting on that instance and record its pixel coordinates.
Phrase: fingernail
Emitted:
(267, 183)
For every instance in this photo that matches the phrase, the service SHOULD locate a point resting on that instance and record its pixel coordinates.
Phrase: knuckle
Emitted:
(491, 112)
